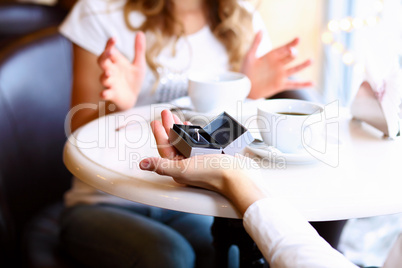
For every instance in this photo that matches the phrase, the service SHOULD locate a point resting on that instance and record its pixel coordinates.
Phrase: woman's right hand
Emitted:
(122, 80)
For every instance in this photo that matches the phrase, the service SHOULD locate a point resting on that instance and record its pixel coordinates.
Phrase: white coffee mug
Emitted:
(216, 92)
(290, 125)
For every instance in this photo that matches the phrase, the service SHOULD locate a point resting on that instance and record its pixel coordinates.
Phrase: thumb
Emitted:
(162, 166)
(255, 45)
(139, 49)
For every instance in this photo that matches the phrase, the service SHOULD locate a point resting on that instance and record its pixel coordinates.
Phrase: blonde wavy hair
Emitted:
(228, 20)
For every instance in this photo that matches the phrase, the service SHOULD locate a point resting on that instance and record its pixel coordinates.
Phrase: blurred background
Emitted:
(338, 35)
(341, 36)
(349, 42)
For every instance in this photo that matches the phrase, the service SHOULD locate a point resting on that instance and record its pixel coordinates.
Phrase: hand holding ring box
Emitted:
(222, 135)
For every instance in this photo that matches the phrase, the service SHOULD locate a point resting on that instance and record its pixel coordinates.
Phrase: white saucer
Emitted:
(272, 154)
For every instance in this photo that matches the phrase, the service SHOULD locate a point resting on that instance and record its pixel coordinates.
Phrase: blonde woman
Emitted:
(137, 52)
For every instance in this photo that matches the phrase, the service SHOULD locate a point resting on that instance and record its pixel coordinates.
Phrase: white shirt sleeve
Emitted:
(286, 239)
(92, 22)
(84, 27)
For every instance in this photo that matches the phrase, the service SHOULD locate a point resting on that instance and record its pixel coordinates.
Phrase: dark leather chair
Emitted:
(6, 240)
(35, 85)
(18, 19)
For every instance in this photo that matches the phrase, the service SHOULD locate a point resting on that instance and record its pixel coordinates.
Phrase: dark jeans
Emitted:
(104, 235)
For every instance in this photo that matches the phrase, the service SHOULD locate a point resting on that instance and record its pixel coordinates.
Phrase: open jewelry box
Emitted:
(222, 135)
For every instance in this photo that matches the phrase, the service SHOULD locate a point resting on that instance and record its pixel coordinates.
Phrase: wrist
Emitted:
(239, 188)
(125, 104)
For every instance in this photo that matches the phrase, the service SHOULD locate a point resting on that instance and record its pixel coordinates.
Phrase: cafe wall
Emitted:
(286, 19)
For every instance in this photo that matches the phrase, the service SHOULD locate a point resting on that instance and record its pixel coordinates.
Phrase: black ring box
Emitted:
(222, 135)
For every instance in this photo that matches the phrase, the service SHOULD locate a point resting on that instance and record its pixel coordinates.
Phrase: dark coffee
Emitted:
(288, 113)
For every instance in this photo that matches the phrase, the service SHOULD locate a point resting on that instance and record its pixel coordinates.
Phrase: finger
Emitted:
(159, 132)
(162, 166)
(107, 94)
(140, 45)
(107, 67)
(292, 43)
(107, 51)
(106, 77)
(114, 54)
(162, 140)
(106, 64)
(290, 84)
(188, 123)
(299, 67)
(106, 80)
(286, 49)
(167, 120)
(290, 55)
(176, 119)
(151, 163)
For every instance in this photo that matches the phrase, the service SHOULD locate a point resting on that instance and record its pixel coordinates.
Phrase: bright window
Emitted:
(362, 40)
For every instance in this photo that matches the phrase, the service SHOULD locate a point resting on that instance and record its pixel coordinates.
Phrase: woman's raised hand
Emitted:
(122, 79)
(270, 74)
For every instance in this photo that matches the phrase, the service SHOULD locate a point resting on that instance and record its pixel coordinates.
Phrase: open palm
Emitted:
(270, 73)
(122, 79)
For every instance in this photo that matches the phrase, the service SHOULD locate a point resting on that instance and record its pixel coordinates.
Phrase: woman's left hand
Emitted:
(270, 74)
(222, 173)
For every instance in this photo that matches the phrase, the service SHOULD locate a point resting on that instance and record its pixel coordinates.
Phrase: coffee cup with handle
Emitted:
(216, 92)
(291, 126)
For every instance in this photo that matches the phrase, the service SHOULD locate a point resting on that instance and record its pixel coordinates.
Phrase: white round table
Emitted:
(361, 177)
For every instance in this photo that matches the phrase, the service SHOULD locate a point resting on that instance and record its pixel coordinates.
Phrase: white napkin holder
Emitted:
(378, 108)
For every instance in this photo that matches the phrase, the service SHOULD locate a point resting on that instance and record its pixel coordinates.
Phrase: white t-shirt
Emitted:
(286, 239)
(92, 22)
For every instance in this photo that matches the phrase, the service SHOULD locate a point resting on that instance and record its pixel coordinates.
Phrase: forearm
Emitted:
(86, 101)
(84, 113)
(286, 239)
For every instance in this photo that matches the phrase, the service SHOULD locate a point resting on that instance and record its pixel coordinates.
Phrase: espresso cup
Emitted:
(290, 125)
(217, 92)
